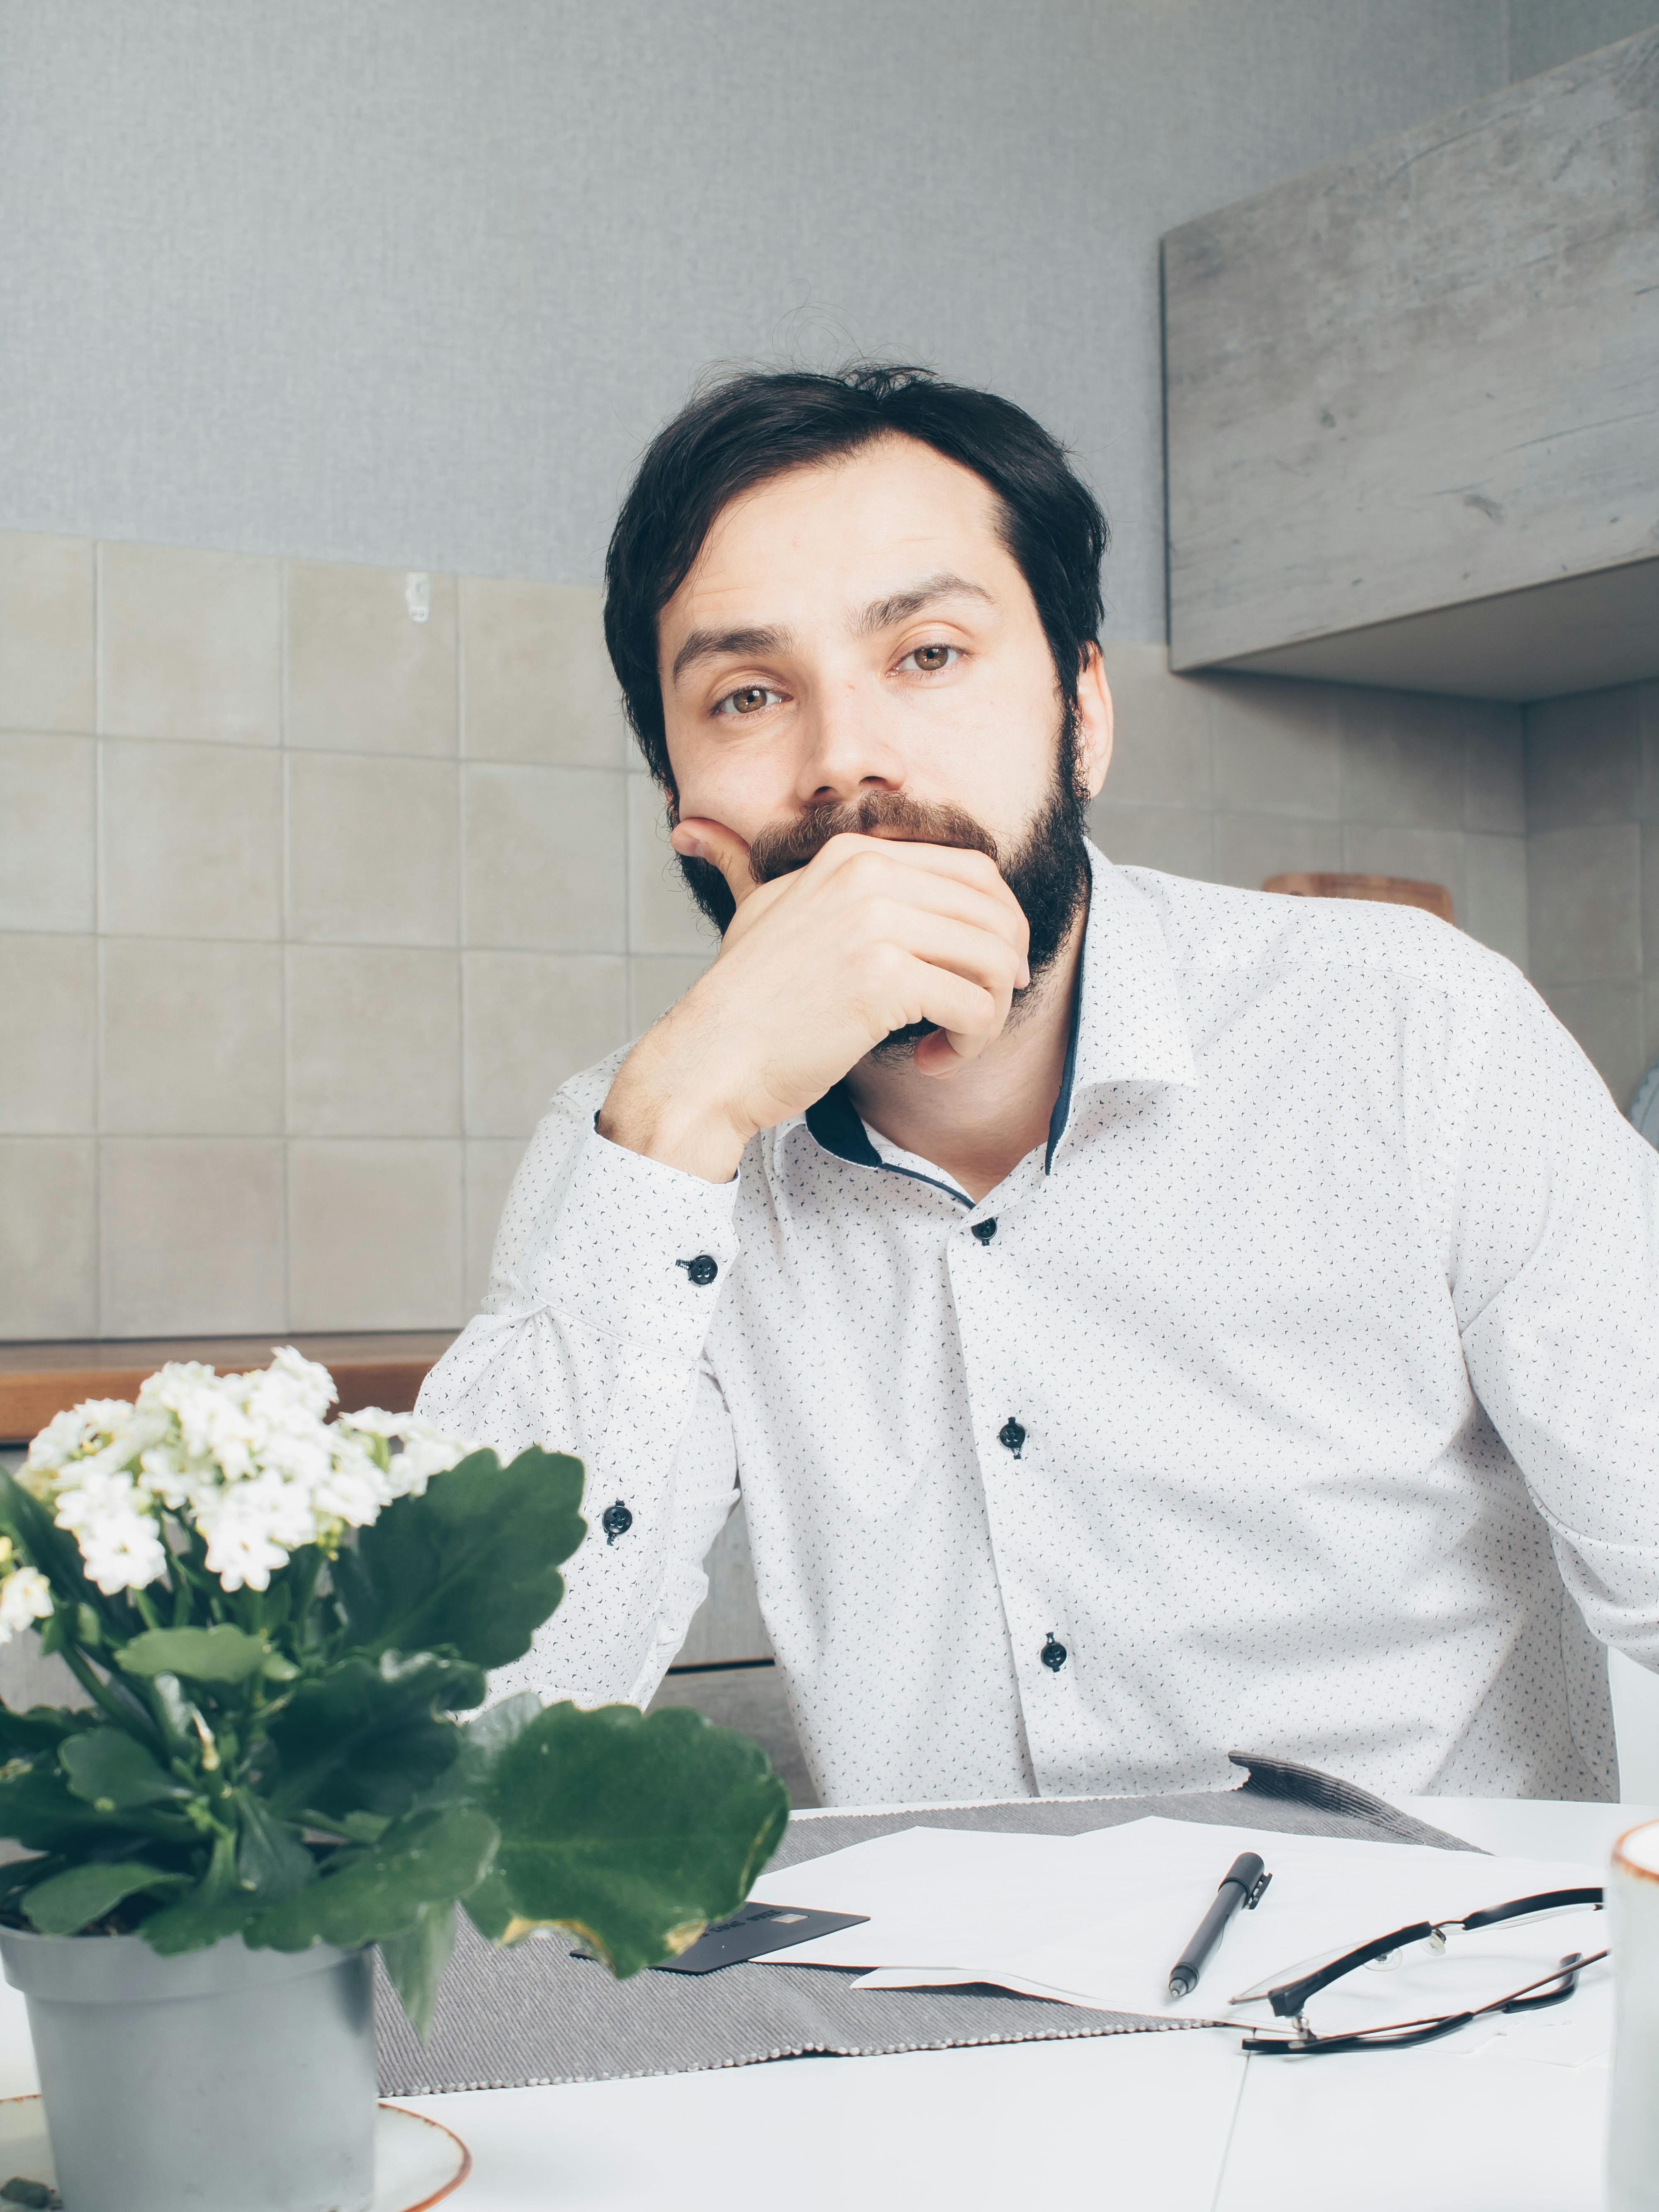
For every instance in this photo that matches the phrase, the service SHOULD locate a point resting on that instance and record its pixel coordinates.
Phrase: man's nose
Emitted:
(845, 750)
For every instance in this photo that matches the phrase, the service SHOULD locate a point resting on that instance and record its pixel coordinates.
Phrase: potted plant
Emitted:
(278, 1622)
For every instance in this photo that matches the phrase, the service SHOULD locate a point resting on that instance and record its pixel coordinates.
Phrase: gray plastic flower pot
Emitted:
(225, 2081)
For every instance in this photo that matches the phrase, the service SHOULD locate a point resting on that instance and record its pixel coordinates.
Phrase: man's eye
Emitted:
(749, 701)
(930, 658)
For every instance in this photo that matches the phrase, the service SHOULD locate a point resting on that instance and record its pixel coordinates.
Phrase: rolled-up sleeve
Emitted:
(608, 1271)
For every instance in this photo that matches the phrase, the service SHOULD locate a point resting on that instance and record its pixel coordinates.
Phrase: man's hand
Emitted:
(816, 969)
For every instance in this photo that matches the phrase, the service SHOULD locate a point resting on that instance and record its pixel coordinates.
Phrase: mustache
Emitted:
(782, 848)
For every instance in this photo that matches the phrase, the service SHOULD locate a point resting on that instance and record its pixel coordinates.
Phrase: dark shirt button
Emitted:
(701, 1270)
(616, 1521)
(1054, 1654)
(985, 1230)
(1011, 1436)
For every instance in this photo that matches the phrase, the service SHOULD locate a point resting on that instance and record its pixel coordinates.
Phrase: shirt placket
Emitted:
(1016, 1461)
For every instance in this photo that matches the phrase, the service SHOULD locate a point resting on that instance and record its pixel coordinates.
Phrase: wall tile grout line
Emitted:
(357, 944)
(240, 746)
(285, 1197)
(462, 919)
(98, 937)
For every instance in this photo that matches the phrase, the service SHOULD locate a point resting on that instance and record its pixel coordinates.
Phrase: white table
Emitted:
(1180, 2122)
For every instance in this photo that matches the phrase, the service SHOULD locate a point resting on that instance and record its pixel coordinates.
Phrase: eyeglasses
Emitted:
(1290, 1991)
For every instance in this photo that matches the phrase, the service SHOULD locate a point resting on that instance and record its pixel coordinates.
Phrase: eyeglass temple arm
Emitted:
(1553, 1989)
(1549, 1900)
(1293, 1997)
(1307, 2045)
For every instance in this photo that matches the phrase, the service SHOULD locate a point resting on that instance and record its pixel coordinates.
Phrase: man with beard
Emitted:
(1141, 1317)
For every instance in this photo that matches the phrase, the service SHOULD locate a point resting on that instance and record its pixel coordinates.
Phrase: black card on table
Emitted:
(756, 1929)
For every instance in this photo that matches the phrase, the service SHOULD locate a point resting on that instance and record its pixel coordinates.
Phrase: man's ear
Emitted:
(1094, 722)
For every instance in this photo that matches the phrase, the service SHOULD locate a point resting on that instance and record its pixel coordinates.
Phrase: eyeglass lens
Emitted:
(1394, 2035)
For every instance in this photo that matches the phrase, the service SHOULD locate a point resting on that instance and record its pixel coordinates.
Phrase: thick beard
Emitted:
(1047, 872)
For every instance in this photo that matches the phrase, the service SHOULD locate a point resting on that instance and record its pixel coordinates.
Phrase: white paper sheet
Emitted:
(1098, 1919)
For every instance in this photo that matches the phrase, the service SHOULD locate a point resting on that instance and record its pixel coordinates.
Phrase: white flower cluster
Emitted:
(250, 1462)
(25, 1593)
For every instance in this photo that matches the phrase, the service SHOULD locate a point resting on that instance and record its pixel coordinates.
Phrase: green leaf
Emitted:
(17, 1874)
(43, 1728)
(365, 1735)
(39, 1810)
(113, 1771)
(66, 1903)
(473, 1566)
(200, 1655)
(415, 1962)
(215, 1907)
(365, 1828)
(430, 1858)
(481, 1740)
(632, 1830)
(272, 1862)
(192, 1924)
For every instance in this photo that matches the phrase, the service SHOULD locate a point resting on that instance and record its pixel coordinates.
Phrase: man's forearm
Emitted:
(654, 1111)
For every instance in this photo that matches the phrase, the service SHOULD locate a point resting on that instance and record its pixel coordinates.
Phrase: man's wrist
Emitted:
(648, 1111)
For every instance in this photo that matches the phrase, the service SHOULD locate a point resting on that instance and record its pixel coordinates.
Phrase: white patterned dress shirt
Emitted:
(1301, 1395)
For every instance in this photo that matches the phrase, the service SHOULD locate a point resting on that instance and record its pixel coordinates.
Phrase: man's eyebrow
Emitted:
(882, 614)
(879, 614)
(715, 644)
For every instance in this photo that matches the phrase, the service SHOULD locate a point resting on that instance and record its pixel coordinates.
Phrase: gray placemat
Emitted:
(512, 2019)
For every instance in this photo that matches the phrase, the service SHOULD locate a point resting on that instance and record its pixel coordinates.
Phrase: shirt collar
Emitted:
(1126, 1020)
(1128, 1023)
(835, 1123)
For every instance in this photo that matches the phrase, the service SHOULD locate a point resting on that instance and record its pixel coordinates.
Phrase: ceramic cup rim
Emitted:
(1626, 1865)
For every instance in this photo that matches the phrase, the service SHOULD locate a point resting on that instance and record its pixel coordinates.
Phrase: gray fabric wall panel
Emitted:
(413, 284)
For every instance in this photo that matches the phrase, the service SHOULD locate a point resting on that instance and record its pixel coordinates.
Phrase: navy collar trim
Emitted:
(835, 1122)
(1062, 1112)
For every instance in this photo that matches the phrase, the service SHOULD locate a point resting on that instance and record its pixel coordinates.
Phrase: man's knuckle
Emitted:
(883, 960)
(867, 866)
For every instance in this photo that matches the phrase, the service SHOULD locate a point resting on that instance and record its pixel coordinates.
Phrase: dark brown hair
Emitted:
(759, 424)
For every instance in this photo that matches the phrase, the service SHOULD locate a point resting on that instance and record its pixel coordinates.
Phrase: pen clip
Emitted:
(1258, 1893)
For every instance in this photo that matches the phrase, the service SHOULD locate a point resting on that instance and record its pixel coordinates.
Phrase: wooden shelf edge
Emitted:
(31, 1398)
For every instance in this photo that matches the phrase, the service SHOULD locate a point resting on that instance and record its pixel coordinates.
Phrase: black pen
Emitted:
(1242, 1884)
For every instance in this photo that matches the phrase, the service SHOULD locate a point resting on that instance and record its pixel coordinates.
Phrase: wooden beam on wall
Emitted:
(38, 1381)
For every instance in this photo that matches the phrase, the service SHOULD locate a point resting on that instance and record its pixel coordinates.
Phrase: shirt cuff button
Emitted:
(702, 1270)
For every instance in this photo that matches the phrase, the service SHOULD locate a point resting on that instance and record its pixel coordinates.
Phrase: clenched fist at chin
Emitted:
(875, 934)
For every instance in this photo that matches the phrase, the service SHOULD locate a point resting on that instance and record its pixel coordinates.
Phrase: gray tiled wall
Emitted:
(306, 904)
(1237, 778)
(1592, 869)
(315, 882)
